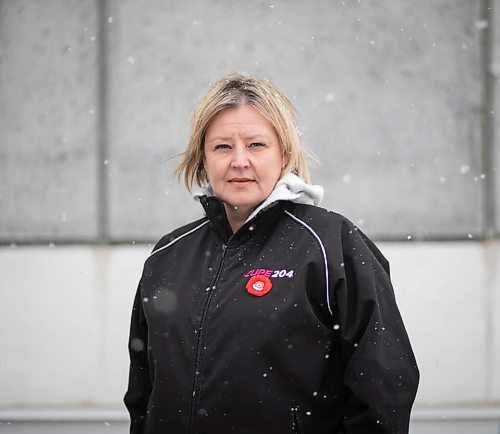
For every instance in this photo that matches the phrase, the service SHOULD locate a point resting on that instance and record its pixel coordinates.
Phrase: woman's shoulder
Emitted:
(320, 217)
(335, 231)
(179, 233)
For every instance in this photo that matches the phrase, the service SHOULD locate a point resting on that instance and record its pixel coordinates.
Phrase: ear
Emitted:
(203, 169)
(285, 159)
(203, 156)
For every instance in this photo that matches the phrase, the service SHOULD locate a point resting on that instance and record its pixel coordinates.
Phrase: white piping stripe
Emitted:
(177, 239)
(324, 257)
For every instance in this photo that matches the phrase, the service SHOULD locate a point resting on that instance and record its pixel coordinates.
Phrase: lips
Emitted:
(241, 181)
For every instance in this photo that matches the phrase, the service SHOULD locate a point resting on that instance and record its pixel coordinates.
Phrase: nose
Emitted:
(240, 158)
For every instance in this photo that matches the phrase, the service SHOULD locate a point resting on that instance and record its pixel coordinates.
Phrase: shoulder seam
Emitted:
(323, 251)
(177, 239)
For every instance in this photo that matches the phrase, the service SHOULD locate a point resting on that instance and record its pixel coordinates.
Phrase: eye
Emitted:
(257, 145)
(222, 147)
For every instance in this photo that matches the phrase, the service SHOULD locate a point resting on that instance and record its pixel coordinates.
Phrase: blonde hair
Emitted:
(232, 91)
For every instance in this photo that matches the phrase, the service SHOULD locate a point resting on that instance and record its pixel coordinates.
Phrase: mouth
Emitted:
(241, 181)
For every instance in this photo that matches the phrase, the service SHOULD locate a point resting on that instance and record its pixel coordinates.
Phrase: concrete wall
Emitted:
(65, 315)
(95, 97)
(398, 100)
(48, 124)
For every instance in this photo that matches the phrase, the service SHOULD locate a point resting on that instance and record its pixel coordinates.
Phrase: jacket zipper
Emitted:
(295, 420)
(200, 340)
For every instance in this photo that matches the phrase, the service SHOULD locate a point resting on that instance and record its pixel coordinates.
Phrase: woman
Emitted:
(269, 314)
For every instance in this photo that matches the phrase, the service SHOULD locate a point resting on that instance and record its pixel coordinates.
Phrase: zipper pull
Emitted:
(224, 248)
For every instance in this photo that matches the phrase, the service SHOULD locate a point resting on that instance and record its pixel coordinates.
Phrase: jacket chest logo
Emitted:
(269, 273)
(260, 283)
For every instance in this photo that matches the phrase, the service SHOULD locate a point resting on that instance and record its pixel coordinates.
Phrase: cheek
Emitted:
(271, 169)
(215, 170)
(209, 166)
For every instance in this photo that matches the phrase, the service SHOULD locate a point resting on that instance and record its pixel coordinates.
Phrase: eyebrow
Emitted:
(223, 139)
(218, 139)
(258, 136)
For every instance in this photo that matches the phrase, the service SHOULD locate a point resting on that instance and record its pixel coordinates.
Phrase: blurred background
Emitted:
(399, 101)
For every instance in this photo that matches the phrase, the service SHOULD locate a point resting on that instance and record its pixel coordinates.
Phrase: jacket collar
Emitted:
(292, 189)
(289, 188)
(216, 214)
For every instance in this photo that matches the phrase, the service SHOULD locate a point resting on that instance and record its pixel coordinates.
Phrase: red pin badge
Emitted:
(259, 285)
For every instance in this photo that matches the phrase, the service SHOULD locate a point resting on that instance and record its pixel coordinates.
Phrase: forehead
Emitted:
(241, 118)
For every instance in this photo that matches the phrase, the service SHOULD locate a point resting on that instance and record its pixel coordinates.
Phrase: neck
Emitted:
(237, 216)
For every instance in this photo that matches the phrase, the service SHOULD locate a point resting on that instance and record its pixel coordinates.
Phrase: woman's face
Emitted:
(243, 157)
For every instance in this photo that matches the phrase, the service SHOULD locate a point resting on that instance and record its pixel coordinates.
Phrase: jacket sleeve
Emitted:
(139, 386)
(381, 374)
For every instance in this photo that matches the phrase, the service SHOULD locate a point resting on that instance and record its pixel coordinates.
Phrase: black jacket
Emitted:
(324, 351)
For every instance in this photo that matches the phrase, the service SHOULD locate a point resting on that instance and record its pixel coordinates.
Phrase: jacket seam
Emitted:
(325, 258)
(177, 239)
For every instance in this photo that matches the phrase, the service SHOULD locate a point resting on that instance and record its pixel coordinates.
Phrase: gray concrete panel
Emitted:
(64, 427)
(436, 425)
(389, 95)
(494, 114)
(403, 107)
(48, 110)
